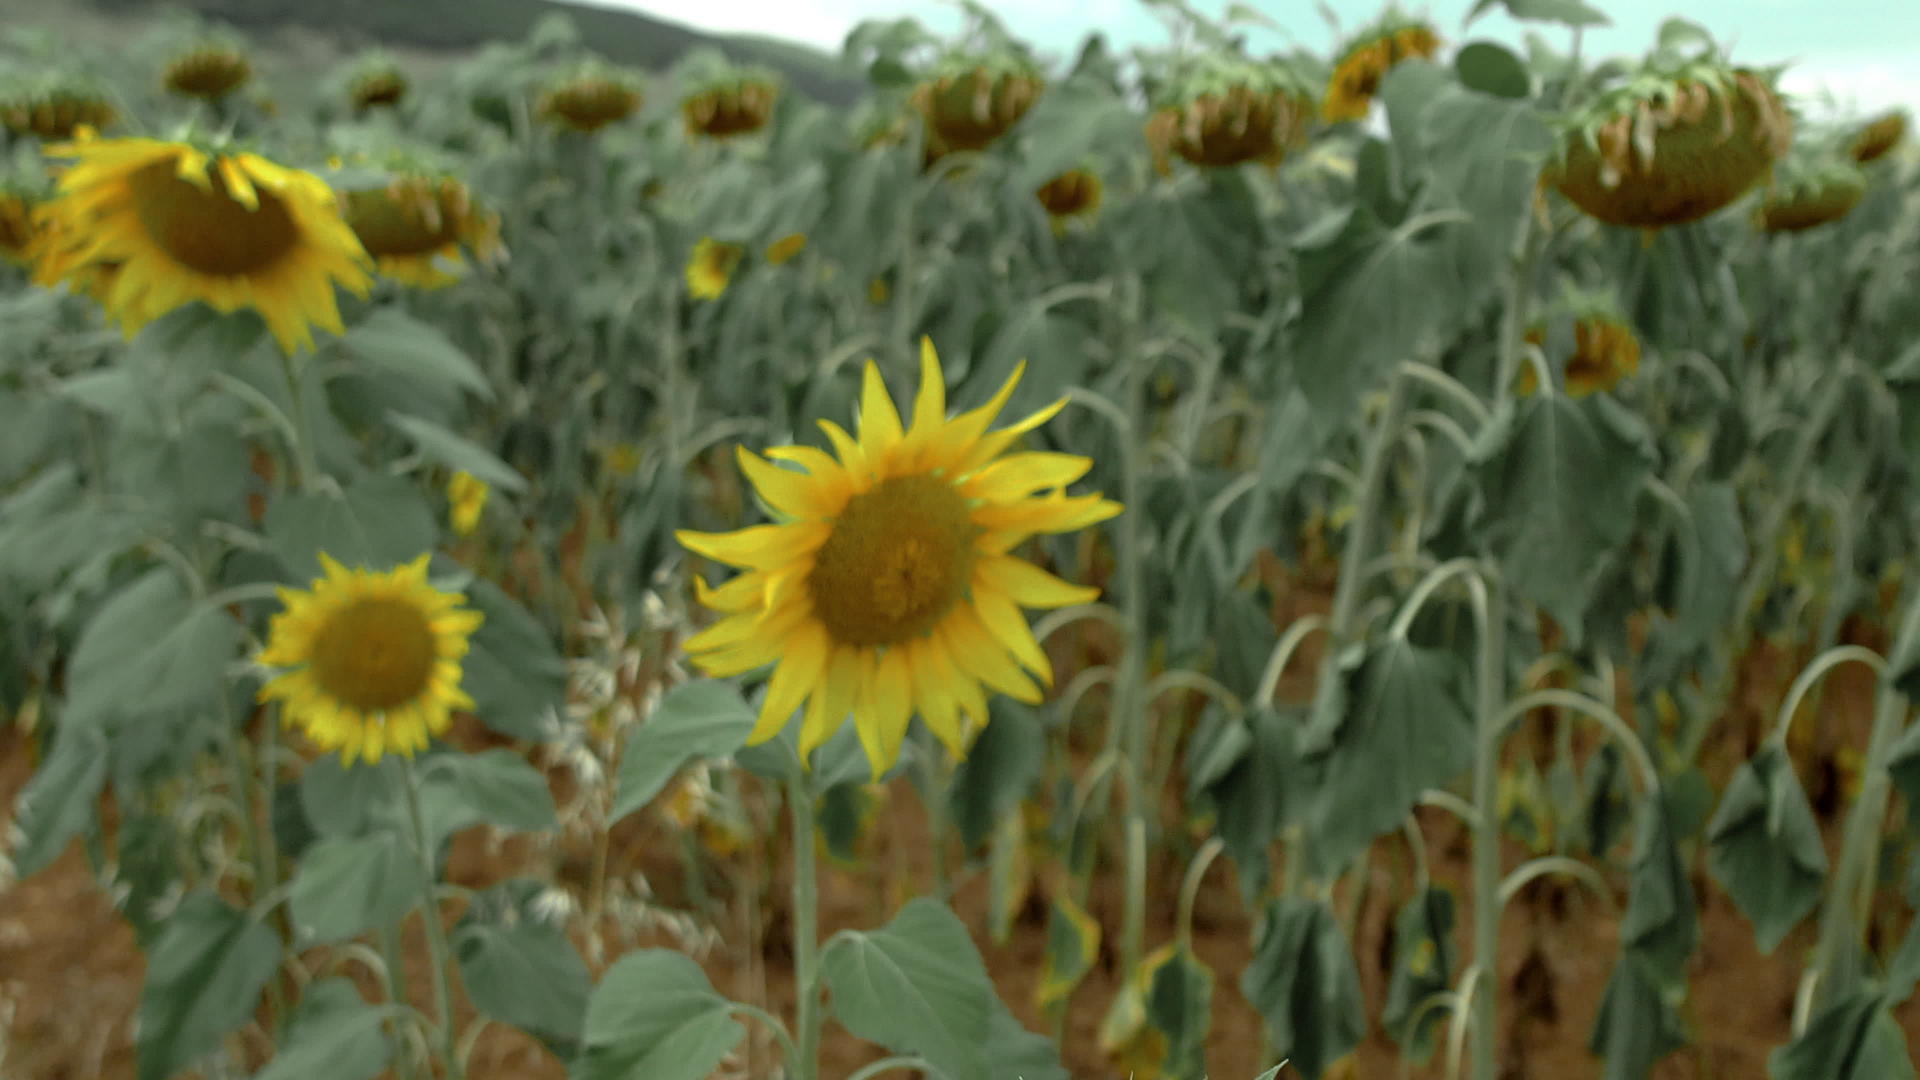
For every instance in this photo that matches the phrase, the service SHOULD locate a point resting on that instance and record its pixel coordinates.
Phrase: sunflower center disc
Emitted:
(376, 653)
(413, 224)
(209, 231)
(897, 561)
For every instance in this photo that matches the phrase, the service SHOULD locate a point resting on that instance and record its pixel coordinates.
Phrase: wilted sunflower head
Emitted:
(590, 99)
(1602, 353)
(785, 248)
(420, 223)
(377, 87)
(1672, 142)
(176, 222)
(17, 229)
(1880, 135)
(723, 99)
(1073, 194)
(1258, 120)
(1809, 190)
(969, 99)
(710, 268)
(55, 109)
(209, 71)
(1367, 58)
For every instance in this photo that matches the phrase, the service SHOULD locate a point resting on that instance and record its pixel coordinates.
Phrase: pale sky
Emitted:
(1865, 53)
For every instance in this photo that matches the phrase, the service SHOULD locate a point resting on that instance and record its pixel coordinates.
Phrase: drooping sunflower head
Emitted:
(1672, 142)
(55, 109)
(373, 659)
(885, 586)
(1221, 111)
(722, 99)
(785, 248)
(710, 268)
(1593, 345)
(18, 233)
(1367, 58)
(970, 99)
(1879, 136)
(179, 223)
(589, 99)
(209, 71)
(1811, 189)
(420, 224)
(377, 86)
(1073, 194)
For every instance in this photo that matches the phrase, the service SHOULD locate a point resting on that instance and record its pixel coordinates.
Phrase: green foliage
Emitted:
(1764, 846)
(333, 1035)
(346, 887)
(693, 721)
(204, 976)
(1303, 982)
(654, 1014)
(520, 968)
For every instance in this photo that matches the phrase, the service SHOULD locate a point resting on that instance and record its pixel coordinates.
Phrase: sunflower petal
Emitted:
(797, 676)
(840, 684)
(1021, 475)
(1003, 620)
(884, 710)
(879, 422)
(1028, 585)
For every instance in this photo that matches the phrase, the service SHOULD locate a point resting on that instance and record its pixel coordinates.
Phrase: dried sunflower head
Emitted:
(1811, 189)
(1880, 135)
(1073, 194)
(1367, 58)
(55, 108)
(1591, 342)
(1230, 116)
(377, 87)
(971, 99)
(590, 99)
(209, 71)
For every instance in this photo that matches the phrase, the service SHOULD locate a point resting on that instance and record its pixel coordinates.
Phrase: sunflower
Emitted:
(721, 112)
(466, 498)
(786, 248)
(57, 114)
(1356, 78)
(417, 224)
(886, 587)
(711, 267)
(1605, 353)
(1073, 194)
(1815, 194)
(1878, 138)
(971, 101)
(231, 229)
(375, 659)
(589, 102)
(381, 87)
(17, 232)
(210, 72)
(1232, 127)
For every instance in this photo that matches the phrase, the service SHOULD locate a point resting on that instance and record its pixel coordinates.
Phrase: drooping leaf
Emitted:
(457, 452)
(1261, 791)
(57, 804)
(1637, 1025)
(1179, 1005)
(1423, 964)
(655, 1016)
(204, 978)
(333, 1035)
(345, 887)
(1855, 1038)
(1073, 944)
(497, 787)
(915, 986)
(1764, 846)
(378, 522)
(390, 339)
(1662, 924)
(695, 720)
(999, 770)
(519, 967)
(1303, 982)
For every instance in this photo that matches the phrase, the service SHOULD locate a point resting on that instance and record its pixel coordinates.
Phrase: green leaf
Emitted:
(1636, 1025)
(436, 443)
(1605, 808)
(57, 804)
(1560, 495)
(1764, 846)
(53, 526)
(347, 801)
(497, 787)
(378, 522)
(1303, 982)
(1855, 1038)
(999, 770)
(398, 343)
(520, 968)
(151, 649)
(512, 670)
(346, 887)
(1408, 727)
(1711, 553)
(1493, 69)
(1009, 875)
(1073, 944)
(333, 1035)
(1179, 1005)
(204, 978)
(1261, 792)
(655, 1016)
(1014, 1051)
(1565, 12)
(706, 719)
(1423, 963)
(1661, 925)
(915, 986)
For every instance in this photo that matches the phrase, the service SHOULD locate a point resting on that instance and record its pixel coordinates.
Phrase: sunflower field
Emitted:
(1177, 564)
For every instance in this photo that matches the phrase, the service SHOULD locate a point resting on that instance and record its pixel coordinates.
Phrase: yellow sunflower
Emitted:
(711, 267)
(231, 230)
(886, 588)
(376, 659)
(416, 227)
(17, 233)
(466, 498)
(1357, 77)
(786, 248)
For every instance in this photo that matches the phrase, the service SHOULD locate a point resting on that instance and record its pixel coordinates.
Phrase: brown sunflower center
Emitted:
(209, 230)
(408, 220)
(375, 653)
(896, 563)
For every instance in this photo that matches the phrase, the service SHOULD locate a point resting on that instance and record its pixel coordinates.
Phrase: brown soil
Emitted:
(70, 971)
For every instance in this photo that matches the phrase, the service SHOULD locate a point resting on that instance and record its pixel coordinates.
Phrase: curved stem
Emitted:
(1417, 844)
(1552, 864)
(1449, 386)
(1452, 804)
(1581, 703)
(1438, 576)
(1054, 621)
(773, 1024)
(901, 1061)
(1825, 662)
(1181, 679)
(1283, 651)
(1491, 686)
(439, 956)
(1190, 888)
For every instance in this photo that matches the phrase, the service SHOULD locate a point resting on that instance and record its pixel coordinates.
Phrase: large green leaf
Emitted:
(1423, 963)
(1408, 727)
(512, 670)
(497, 787)
(151, 649)
(1764, 846)
(333, 1035)
(204, 978)
(346, 887)
(58, 802)
(345, 801)
(655, 1016)
(1560, 496)
(436, 443)
(379, 522)
(1636, 1025)
(1303, 982)
(706, 719)
(1856, 1038)
(1572, 13)
(53, 525)
(915, 986)
(391, 340)
(521, 968)
(999, 770)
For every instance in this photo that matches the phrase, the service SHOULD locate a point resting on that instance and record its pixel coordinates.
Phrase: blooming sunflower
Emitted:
(1073, 194)
(1366, 61)
(466, 498)
(711, 267)
(886, 588)
(418, 224)
(376, 659)
(1605, 353)
(232, 230)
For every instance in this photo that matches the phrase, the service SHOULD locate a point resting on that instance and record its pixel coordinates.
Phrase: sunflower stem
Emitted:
(397, 993)
(1130, 718)
(806, 928)
(933, 788)
(1490, 723)
(305, 467)
(259, 844)
(439, 955)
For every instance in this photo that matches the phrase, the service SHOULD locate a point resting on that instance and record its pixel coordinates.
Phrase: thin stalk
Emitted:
(1491, 679)
(806, 930)
(1130, 721)
(395, 965)
(259, 842)
(305, 468)
(439, 956)
(884, 1065)
(933, 787)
